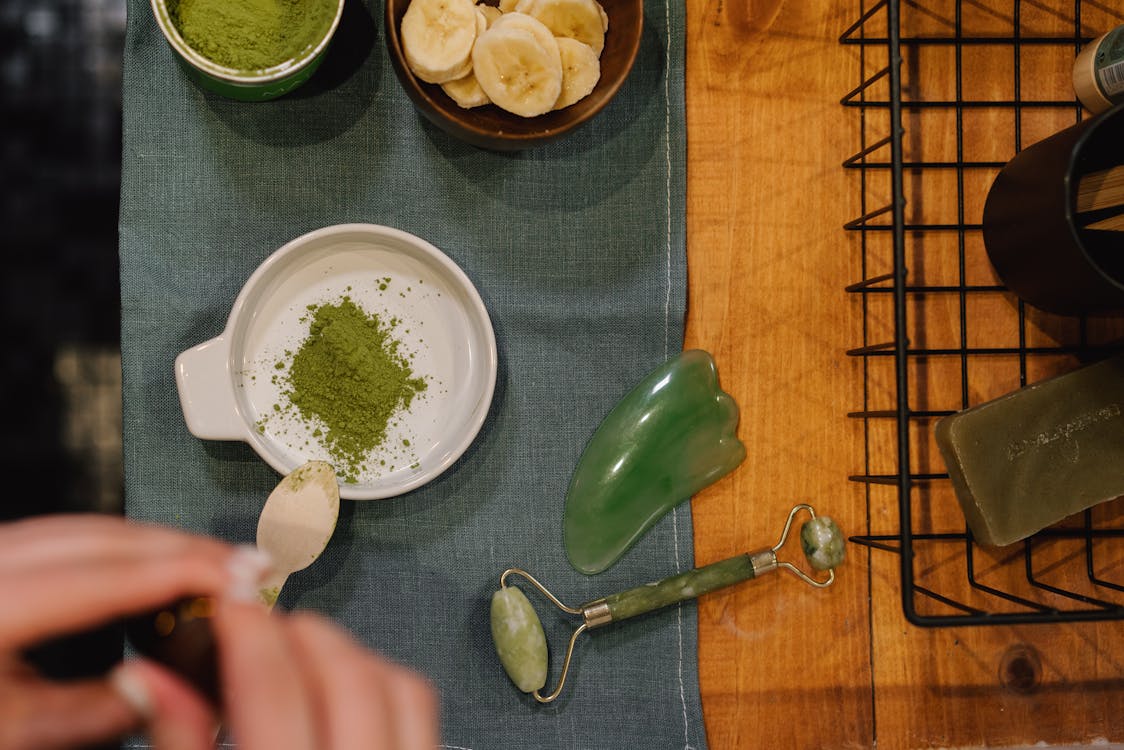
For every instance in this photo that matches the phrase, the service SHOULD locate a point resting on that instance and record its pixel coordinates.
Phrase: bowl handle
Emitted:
(207, 392)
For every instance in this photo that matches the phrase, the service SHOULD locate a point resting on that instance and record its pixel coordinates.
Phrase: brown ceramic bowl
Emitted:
(493, 128)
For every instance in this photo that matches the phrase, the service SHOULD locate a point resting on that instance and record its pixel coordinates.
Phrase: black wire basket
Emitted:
(941, 333)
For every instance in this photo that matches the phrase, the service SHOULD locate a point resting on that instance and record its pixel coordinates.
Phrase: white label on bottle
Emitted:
(1112, 78)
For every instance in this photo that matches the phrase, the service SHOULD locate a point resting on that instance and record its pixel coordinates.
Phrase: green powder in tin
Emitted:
(350, 376)
(252, 34)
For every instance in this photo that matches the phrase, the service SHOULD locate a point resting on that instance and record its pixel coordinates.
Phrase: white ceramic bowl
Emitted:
(226, 387)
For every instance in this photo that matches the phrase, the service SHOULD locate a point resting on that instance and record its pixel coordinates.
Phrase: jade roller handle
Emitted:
(820, 539)
(677, 588)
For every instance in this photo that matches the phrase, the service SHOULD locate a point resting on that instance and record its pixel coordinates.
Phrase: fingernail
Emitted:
(247, 566)
(132, 689)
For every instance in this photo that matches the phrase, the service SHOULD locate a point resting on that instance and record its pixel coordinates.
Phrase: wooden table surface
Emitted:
(783, 665)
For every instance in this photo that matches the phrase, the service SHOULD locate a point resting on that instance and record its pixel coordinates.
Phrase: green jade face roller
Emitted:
(518, 634)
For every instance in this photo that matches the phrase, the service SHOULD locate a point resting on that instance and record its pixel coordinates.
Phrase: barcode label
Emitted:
(1112, 78)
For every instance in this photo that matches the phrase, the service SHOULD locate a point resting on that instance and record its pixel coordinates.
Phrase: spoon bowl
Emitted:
(296, 522)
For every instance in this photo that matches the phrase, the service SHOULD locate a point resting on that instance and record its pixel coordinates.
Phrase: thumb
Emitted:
(175, 716)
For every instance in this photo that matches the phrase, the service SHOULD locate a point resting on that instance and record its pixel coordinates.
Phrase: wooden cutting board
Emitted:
(783, 665)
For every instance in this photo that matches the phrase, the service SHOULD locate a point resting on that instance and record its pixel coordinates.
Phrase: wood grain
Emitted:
(782, 665)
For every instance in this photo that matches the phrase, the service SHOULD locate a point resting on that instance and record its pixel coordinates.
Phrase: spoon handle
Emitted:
(271, 587)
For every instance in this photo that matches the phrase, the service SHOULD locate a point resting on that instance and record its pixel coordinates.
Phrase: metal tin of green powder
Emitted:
(259, 84)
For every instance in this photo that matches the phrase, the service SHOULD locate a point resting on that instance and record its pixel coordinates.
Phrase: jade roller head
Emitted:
(518, 633)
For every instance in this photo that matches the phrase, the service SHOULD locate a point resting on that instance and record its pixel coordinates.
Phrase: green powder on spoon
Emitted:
(252, 34)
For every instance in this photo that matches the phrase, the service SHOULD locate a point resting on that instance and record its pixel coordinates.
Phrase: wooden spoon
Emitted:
(298, 519)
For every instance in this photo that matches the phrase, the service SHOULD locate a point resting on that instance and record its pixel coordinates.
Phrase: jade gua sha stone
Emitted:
(672, 435)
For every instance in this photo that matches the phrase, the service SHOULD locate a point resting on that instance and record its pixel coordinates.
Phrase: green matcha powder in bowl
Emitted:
(251, 50)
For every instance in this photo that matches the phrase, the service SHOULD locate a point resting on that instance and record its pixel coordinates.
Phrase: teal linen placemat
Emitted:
(577, 249)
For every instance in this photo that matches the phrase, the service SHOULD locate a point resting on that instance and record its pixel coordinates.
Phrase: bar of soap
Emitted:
(1030, 458)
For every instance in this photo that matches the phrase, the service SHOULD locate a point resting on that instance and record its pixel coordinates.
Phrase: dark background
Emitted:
(59, 292)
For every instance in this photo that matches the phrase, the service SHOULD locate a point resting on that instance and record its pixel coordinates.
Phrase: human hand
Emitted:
(300, 683)
(61, 574)
(297, 680)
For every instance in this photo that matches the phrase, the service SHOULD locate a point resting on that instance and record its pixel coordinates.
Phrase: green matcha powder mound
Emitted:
(350, 377)
(252, 34)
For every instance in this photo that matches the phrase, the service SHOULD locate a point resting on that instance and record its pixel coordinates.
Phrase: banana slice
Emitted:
(581, 69)
(466, 92)
(491, 12)
(535, 28)
(584, 20)
(437, 38)
(516, 72)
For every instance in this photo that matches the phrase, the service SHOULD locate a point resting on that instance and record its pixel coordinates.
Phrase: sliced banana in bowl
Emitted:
(583, 20)
(481, 54)
(516, 71)
(533, 26)
(466, 91)
(534, 69)
(437, 38)
(581, 69)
